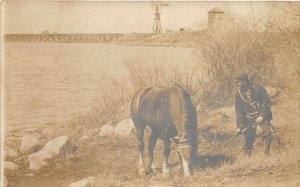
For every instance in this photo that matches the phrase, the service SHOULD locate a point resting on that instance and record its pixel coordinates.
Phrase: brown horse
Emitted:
(170, 113)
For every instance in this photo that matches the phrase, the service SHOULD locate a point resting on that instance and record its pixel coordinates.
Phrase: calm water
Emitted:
(49, 83)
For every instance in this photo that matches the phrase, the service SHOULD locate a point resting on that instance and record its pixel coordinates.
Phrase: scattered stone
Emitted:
(9, 153)
(10, 166)
(87, 182)
(28, 143)
(124, 128)
(107, 130)
(51, 149)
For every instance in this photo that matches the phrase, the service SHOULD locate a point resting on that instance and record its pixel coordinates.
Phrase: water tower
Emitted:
(214, 15)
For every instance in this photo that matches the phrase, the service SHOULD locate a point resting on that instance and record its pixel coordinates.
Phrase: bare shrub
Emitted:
(144, 75)
(286, 49)
(226, 54)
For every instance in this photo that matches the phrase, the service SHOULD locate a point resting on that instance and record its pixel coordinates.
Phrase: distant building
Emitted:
(219, 20)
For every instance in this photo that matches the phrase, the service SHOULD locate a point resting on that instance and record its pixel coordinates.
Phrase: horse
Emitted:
(170, 113)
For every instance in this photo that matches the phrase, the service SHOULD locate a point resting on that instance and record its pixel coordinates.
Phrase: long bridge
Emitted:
(64, 37)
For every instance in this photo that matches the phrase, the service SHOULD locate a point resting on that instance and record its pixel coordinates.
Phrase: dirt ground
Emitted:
(113, 160)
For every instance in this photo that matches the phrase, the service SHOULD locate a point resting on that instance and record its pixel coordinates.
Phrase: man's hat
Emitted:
(242, 77)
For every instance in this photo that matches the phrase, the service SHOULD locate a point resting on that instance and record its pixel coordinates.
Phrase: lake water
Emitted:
(49, 83)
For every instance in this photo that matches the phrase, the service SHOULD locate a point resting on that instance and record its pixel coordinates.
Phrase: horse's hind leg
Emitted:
(140, 137)
(151, 145)
(167, 151)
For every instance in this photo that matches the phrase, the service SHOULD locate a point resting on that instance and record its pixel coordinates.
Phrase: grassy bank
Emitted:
(113, 160)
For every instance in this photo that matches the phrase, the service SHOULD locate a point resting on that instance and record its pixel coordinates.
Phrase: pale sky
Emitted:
(116, 17)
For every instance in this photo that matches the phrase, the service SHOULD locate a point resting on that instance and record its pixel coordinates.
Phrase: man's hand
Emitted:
(259, 119)
(238, 131)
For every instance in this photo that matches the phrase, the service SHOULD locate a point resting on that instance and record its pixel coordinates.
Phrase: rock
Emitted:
(10, 166)
(51, 149)
(107, 129)
(28, 144)
(9, 153)
(87, 182)
(124, 128)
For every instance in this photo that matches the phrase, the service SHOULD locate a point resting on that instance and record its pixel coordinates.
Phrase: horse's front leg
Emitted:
(184, 150)
(151, 144)
(167, 151)
(141, 145)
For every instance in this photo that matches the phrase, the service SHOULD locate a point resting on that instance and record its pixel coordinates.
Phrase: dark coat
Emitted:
(245, 110)
(248, 110)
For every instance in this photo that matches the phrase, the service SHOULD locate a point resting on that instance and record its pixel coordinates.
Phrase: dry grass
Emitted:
(113, 160)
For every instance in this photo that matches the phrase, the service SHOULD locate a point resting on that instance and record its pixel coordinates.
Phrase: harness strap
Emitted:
(181, 142)
(253, 114)
(253, 103)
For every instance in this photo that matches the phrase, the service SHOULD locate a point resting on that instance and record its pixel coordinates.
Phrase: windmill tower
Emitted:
(157, 6)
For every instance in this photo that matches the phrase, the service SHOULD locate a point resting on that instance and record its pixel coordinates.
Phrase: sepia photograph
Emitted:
(150, 93)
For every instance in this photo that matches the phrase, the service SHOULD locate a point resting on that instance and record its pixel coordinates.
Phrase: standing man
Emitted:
(247, 112)
(264, 120)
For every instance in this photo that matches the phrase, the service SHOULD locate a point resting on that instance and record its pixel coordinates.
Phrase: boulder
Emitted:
(87, 182)
(107, 130)
(51, 149)
(10, 166)
(124, 128)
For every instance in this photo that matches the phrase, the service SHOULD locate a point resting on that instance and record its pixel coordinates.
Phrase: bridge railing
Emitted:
(63, 37)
